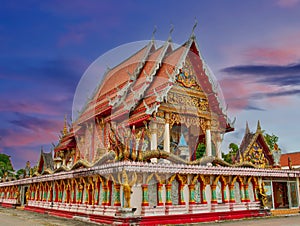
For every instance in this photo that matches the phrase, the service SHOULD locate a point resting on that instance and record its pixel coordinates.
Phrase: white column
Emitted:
(219, 152)
(153, 144)
(167, 134)
(153, 130)
(208, 139)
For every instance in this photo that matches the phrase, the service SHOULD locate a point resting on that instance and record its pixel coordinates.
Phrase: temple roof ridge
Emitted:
(138, 94)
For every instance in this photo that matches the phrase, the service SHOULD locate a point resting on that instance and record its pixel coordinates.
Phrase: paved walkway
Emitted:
(15, 217)
(292, 220)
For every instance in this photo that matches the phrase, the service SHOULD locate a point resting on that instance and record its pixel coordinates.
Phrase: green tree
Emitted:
(200, 150)
(231, 154)
(271, 140)
(20, 173)
(6, 168)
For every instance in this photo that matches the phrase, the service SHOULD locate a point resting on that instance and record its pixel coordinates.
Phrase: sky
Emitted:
(252, 46)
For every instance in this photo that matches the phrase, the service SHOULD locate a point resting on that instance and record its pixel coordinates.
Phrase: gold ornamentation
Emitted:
(127, 186)
(187, 120)
(186, 76)
(256, 156)
(187, 100)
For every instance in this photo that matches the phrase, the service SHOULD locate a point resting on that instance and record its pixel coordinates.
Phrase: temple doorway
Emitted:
(280, 195)
(24, 196)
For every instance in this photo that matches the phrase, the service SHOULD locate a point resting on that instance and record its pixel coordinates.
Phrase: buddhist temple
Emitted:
(133, 155)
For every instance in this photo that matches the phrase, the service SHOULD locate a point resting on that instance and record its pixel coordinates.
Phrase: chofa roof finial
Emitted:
(170, 32)
(194, 27)
(153, 33)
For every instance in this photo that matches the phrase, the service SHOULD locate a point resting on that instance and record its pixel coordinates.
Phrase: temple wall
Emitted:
(104, 196)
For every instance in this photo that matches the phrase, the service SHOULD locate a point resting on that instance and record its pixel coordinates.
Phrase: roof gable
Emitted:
(254, 149)
(45, 162)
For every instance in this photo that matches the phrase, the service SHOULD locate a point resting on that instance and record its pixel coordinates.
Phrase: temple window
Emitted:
(219, 192)
(198, 192)
(152, 192)
(293, 194)
(237, 192)
(251, 191)
(175, 192)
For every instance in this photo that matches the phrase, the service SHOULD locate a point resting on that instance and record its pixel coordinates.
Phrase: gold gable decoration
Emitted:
(256, 156)
(186, 76)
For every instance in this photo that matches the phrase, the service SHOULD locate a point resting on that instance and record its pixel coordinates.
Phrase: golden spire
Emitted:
(247, 128)
(65, 131)
(258, 126)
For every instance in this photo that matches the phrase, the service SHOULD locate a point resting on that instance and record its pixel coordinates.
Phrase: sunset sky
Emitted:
(253, 48)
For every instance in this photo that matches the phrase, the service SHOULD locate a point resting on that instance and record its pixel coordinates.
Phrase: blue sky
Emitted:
(252, 46)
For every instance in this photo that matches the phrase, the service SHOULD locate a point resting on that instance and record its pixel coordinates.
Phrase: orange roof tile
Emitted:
(295, 158)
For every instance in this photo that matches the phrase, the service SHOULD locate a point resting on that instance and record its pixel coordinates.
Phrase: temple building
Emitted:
(133, 155)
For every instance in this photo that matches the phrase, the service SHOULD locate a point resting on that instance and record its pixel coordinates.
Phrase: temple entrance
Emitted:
(280, 195)
(24, 196)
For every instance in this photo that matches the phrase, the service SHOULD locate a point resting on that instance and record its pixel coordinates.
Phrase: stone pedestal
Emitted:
(125, 212)
(198, 208)
(178, 209)
(153, 210)
(224, 207)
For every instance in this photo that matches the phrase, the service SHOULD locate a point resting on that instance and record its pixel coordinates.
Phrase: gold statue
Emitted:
(262, 195)
(127, 186)
(27, 196)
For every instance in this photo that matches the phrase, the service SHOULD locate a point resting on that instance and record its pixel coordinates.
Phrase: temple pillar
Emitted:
(208, 139)
(203, 189)
(96, 193)
(168, 194)
(181, 201)
(153, 131)
(246, 190)
(153, 142)
(51, 195)
(256, 188)
(86, 194)
(231, 193)
(225, 194)
(218, 147)
(145, 199)
(45, 195)
(214, 194)
(117, 199)
(192, 194)
(105, 195)
(242, 192)
(79, 194)
(159, 194)
(167, 133)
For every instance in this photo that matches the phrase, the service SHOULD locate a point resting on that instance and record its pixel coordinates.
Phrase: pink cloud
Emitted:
(287, 3)
(271, 55)
(239, 93)
(30, 106)
(282, 48)
(20, 138)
